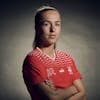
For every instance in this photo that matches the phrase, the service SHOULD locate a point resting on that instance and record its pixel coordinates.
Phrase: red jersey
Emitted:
(38, 67)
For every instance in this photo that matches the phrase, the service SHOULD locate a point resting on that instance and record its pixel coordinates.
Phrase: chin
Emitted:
(53, 41)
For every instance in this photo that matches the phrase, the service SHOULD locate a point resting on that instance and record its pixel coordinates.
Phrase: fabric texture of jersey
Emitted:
(38, 67)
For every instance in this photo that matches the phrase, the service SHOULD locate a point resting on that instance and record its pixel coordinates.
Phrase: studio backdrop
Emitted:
(80, 37)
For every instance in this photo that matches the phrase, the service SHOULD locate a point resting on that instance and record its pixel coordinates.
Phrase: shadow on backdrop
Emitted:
(80, 38)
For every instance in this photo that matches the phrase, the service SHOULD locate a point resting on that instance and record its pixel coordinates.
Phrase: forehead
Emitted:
(50, 15)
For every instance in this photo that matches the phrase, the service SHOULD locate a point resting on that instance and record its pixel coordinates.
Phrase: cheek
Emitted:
(45, 29)
(58, 35)
(44, 33)
(58, 31)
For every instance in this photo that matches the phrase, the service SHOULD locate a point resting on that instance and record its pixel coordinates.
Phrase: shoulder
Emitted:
(31, 60)
(33, 53)
(32, 56)
(65, 55)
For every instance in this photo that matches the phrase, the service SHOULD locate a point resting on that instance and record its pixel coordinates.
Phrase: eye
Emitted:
(46, 24)
(57, 24)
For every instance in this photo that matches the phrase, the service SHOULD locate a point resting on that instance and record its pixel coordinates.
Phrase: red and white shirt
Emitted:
(38, 67)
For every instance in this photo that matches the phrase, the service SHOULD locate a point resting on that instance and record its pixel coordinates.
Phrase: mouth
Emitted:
(52, 36)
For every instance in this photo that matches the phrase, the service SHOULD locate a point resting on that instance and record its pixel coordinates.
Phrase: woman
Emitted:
(50, 74)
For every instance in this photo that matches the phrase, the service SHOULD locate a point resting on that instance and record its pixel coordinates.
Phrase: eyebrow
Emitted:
(58, 21)
(49, 21)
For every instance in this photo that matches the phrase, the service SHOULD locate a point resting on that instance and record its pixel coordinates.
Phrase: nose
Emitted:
(52, 28)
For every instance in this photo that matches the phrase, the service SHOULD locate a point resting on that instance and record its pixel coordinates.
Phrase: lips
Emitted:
(52, 36)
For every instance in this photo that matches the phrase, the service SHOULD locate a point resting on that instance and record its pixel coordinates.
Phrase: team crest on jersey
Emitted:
(69, 69)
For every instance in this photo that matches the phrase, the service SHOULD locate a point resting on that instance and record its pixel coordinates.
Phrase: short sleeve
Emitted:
(34, 72)
(76, 74)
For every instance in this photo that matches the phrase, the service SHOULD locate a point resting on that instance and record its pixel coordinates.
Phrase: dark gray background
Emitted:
(80, 37)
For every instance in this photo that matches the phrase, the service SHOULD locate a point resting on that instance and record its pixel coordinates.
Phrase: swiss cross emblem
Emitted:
(69, 70)
(50, 72)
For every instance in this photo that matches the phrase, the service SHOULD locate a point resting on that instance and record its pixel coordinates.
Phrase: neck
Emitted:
(48, 50)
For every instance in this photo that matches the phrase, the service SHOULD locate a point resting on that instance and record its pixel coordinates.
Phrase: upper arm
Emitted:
(76, 74)
(79, 85)
(77, 82)
(53, 94)
(46, 92)
(81, 95)
(34, 76)
(33, 72)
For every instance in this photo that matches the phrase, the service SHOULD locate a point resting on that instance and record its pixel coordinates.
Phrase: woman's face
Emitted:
(50, 27)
